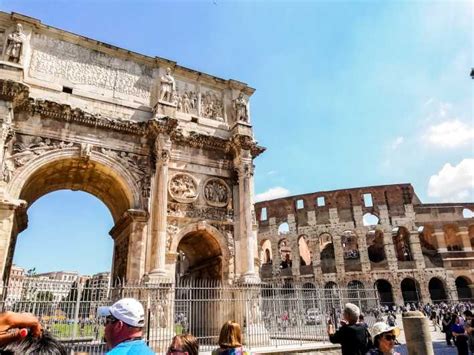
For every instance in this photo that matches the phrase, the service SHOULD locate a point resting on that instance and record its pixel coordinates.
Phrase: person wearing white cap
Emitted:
(124, 322)
(384, 337)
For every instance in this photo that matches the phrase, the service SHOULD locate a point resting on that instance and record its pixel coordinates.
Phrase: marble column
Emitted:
(464, 235)
(248, 241)
(159, 205)
(440, 240)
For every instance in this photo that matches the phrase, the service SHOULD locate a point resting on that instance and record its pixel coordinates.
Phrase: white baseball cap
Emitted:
(382, 327)
(128, 310)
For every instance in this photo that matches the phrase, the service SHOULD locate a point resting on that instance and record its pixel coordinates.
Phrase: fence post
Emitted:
(76, 310)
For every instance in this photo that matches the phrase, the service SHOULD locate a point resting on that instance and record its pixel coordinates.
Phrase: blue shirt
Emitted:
(131, 348)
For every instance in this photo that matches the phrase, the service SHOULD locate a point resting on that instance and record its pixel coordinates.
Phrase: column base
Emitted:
(157, 275)
(249, 278)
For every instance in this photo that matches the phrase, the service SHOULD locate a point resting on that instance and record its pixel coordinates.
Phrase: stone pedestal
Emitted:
(417, 333)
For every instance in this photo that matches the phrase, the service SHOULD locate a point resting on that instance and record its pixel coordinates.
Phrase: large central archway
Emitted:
(99, 175)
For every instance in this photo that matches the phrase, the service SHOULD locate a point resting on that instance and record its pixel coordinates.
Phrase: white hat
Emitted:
(382, 327)
(128, 310)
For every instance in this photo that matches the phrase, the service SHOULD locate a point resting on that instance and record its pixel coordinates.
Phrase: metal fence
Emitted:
(270, 314)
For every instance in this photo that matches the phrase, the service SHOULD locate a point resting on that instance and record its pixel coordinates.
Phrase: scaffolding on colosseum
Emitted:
(271, 314)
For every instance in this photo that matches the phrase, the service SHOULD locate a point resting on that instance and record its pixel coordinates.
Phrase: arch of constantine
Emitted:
(379, 237)
(168, 149)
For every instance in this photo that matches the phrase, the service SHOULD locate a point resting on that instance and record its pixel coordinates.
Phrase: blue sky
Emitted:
(348, 93)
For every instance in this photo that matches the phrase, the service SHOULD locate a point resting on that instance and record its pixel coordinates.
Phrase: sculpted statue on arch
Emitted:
(167, 87)
(241, 109)
(15, 44)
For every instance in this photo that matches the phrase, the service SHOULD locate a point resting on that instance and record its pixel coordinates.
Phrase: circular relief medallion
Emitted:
(216, 192)
(183, 188)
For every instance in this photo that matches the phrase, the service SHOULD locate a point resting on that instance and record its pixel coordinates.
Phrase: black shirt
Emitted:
(353, 339)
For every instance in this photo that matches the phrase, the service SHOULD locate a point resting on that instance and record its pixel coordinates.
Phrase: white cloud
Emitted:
(453, 183)
(397, 142)
(450, 134)
(271, 172)
(272, 193)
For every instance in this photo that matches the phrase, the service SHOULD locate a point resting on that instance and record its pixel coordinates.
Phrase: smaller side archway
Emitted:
(284, 250)
(310, 296)
(331, 295)
(370, 220)
(429, 247)
(401, 243)
(410, 290)
(283, 228)
(375, 248)
(350, 248)
(437, 290)
(306, 264)
(452, 238)
(266, 259)
(384, 289)
(356, 294)
(463, 288)
(328, 262)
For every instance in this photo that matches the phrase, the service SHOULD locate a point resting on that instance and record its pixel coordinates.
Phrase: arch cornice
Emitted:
(119, 172)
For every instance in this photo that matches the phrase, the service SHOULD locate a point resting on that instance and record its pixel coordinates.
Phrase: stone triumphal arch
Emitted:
(168, 149)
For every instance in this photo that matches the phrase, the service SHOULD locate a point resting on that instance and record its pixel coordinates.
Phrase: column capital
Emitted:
(14, 92)
(243, 143)
(128, 217)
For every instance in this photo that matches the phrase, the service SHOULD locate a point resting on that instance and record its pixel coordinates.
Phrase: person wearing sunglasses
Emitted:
(184, 344)
(124, 322)
(384, 339)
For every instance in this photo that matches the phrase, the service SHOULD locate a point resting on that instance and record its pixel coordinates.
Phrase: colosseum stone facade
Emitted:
(379, 237)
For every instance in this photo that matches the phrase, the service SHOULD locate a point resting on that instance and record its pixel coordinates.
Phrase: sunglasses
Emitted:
(173, 351)
(389, 337)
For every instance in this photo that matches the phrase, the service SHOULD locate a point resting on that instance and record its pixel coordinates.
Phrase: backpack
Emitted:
(369, 344)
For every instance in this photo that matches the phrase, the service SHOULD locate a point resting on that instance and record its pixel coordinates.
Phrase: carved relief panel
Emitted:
(212, 104)
(183, 188)
(216, 192)
(186, 98)
(55, 59)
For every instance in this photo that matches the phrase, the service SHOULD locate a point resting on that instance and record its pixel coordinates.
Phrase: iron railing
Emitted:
(270, 314)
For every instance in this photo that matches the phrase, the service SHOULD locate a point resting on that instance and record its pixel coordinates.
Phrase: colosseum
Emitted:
(376, 237)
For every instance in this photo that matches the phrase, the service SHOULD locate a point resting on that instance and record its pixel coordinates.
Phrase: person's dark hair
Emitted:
(190, 343)
(46, 345)
(376, 341)
(468, 313)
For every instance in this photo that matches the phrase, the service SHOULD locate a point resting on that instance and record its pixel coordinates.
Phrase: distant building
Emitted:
(15, 284)
(374, 237)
